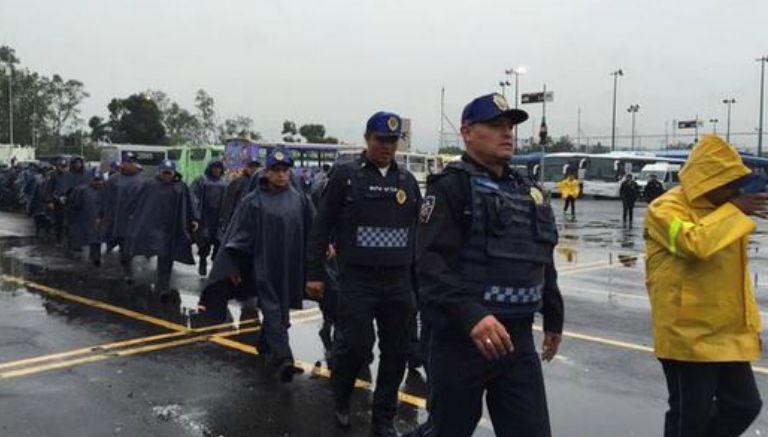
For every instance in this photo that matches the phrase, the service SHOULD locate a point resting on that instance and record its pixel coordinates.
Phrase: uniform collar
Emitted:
(365, 162)
(506, 172)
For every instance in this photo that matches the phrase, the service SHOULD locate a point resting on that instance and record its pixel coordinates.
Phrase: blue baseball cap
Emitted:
(167, 165)
(96, 174)
(129, 156)
(490, 107)
(279, 156)
(385, 124)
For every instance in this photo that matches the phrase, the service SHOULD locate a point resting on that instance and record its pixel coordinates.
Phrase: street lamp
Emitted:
(762, 61)
(615, 75)
(9, 69)
(714, 122)
(728, 102)
(633, 110)
(517, 71)
(504, 84)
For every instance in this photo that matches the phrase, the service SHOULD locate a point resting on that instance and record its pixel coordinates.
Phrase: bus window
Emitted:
(417, 164)
(147, 158)
(401, 160)
(198, 154)
(174, 154)
(215, 153)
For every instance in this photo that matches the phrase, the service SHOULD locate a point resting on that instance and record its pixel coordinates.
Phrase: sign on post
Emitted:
(538, 97)
(689, 124)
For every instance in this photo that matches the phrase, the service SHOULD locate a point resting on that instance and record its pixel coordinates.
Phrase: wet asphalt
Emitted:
(83, 354)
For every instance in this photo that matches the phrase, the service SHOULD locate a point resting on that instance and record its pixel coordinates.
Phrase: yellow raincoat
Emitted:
(569, 187)
(702, 300)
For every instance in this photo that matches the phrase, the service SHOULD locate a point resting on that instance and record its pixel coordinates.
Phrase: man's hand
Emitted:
(331, 253)
(491, 338)
(315, 289)
(550, 345)
(752, 204)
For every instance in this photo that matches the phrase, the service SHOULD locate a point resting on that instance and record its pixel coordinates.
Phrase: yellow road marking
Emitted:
(123, 353)
(95, 303)
(119, 344)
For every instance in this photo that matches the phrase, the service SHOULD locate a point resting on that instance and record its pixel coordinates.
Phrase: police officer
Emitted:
(370, 207)
(485, 266)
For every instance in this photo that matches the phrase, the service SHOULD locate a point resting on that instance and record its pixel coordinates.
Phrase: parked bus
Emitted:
(148, 156)
(191, 161)
(557, 166)
(605, 171)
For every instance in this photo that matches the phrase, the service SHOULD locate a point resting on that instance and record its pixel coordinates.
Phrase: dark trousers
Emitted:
(273, 340)
(629, 209)
(368, 294)
(125, 257)
(206, 248)
(710, 399)
(459, 377)
(164, 268)
(570, 201)
(94, 251)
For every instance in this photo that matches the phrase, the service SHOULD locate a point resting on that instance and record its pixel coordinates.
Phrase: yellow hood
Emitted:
(712, 164)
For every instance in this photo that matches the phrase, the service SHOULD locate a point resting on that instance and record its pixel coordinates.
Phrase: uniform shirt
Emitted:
(443, 232)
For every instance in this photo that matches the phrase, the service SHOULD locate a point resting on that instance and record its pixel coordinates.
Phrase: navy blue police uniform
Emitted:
(485, 248)
(371, 216)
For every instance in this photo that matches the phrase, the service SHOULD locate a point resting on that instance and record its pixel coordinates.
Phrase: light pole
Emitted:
(615, 75)
(729, 102)
(762, 61)
(633, 110)
(714, 122)
(9, 68)
(504, 84)
(517, 71)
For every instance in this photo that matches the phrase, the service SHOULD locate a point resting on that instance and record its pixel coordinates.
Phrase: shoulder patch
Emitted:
(427, 206)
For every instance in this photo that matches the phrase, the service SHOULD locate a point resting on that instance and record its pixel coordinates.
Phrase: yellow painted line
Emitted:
(568, 268)
(95, 303)
(122, 353)
(118, 344)
(625, 345)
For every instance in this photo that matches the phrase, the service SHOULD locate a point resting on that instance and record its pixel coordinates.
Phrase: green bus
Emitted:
(191, 161)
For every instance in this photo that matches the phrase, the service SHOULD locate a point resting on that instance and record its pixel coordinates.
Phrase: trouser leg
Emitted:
(275, 324)
(393, 320)
(164, 269)
(737, 399)
(517, 400)
(353, 341)
(692, 387)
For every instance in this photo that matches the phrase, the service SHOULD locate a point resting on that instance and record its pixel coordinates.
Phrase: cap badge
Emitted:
(279, 156)
(393, 123)
(500, 102)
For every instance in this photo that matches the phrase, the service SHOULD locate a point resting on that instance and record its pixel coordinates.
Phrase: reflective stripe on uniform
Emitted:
(675, 227)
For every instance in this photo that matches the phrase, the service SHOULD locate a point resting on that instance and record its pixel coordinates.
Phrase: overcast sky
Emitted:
(337, 61)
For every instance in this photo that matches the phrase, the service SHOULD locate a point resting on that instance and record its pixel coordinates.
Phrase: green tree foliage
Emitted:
(238, 127)
(206, 115)
(452, 150)
(136, 120)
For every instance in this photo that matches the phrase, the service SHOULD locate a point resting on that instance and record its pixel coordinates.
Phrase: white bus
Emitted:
(148, 156)
(556, 166)
(605, 171)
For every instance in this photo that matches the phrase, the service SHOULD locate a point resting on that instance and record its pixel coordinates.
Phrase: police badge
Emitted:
(500, 102)
(401, 197)
(393, 123)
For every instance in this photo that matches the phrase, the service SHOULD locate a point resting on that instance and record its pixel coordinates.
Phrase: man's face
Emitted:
(167, 176)
(129, 166)
(491, 140)
(97, 183)
(278, 176)
(381, 150)
(216, 171)
(249, 170)
(76, 165)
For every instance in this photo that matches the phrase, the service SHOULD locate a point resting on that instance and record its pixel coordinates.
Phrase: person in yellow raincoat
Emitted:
(569, 190)
(706, 324)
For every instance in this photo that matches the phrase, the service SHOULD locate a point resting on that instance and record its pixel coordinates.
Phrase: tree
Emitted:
(66, 97)
(206, 116)
(290, 132)
(238, 127)
(181, 125)
(564, 144)
(136, 120)
(313, 133)
(99, 128)
(452, 150)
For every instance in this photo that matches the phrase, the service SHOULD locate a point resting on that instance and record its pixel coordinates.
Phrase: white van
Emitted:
(666, 172)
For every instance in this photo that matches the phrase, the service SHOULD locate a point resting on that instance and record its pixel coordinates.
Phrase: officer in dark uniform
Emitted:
(370, 207)
(485, 266)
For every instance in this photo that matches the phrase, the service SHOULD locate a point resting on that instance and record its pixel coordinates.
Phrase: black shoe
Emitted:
(202, 269)
(128, 279)
(342, 417)
(288, 370)
(97, 262)
(384, 431)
